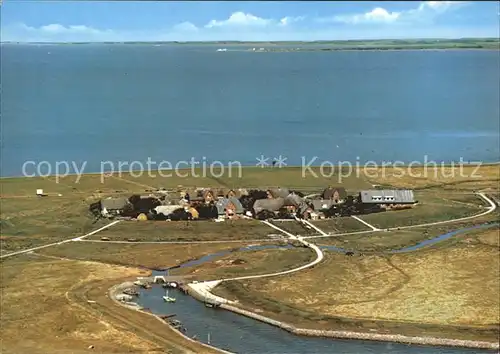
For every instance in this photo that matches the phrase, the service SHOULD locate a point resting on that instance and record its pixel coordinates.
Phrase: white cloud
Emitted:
(55, 32)
(185, 27)
(425, 11)
(436, 5)
(377, 15)
(287, 20)
(240, 19)
(56, 28)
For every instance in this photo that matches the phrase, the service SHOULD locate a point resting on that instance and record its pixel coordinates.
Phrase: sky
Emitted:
(63, 21)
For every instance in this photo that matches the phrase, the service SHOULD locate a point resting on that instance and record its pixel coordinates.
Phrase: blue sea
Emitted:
(99, 102)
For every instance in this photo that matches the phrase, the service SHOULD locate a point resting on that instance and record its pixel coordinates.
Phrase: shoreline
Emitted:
(288, 167)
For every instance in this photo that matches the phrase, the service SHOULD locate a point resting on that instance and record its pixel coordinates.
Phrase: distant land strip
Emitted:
(413, 44)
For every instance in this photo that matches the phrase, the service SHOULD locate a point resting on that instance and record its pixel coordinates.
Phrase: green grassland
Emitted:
(339, 225)
(294, 228)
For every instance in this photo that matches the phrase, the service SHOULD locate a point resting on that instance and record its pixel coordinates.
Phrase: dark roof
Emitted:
(196, 199)
(273, 204)
(385, 196)
(279, 192)
(206, 192)
(329, 192)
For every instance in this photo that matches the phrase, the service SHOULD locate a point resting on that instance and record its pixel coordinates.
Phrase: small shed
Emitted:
(387, 196)
(337, 194)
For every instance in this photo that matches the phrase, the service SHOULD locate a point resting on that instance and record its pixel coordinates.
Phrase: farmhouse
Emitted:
(114, 206)
(384, 196)
(208, 195)
(229, 207)
(297, 202)
(336, 194)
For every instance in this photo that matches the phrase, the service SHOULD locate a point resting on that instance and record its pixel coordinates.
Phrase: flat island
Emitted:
(334, 45)
(443, 284)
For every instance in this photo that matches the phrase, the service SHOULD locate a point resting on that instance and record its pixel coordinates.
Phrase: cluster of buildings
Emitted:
(206, 203)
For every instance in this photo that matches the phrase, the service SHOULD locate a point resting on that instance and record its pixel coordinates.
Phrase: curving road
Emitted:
(203, 289)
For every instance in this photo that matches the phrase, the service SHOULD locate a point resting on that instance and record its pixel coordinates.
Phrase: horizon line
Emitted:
(495, 39)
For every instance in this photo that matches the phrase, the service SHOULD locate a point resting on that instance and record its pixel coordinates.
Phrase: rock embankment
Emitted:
(396, 338)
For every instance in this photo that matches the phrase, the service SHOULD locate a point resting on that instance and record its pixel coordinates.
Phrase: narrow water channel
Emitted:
(240, 334)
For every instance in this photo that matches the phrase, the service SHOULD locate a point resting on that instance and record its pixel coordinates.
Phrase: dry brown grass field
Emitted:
(201, 230)
(151, 256)
(45, 309)
(249, 263)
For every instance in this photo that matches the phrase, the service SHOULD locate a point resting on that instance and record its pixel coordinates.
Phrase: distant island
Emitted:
(335, 45)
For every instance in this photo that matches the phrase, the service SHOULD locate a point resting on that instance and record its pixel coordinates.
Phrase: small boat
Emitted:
(170, 285)
(167, 298)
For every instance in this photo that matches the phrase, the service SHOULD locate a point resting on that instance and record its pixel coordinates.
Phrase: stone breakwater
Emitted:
(396, 338)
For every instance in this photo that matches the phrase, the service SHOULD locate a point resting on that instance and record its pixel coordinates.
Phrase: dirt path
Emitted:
(79, 238)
